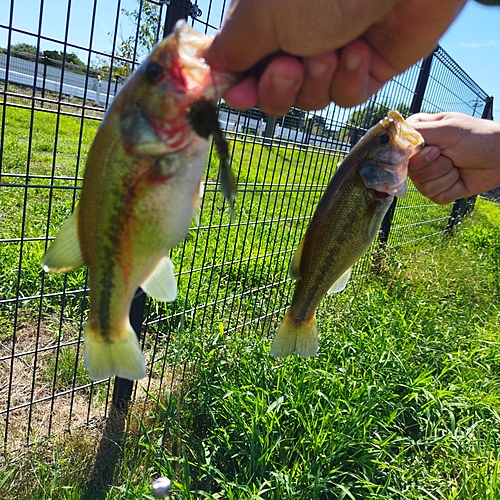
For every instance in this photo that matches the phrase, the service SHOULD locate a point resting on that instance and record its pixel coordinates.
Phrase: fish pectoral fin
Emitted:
(64, 254)
(341, 283)
(294, 269)
(105, 358)
(290, 338)
(161, 283)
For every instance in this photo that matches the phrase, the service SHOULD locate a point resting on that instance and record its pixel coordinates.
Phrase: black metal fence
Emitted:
(232, 275)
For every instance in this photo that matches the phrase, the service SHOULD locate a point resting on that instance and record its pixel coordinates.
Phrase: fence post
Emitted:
(463, 206)
(45, 61)
(122, 390)
(269, 131)
(179, 9)
(416, 106)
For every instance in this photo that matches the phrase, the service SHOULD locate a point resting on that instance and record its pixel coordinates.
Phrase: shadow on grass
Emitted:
(110, 448)
(108, 455)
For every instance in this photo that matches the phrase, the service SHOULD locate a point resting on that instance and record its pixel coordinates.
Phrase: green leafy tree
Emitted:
(24, 51)
(364, 118)
(73, 59)
(139, 44)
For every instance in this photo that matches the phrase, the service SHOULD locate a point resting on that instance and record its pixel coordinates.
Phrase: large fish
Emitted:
(140, 189)
(344, 225)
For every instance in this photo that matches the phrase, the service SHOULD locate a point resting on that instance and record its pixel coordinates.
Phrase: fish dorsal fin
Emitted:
(341, 283)
(64, 254)
(161, 283)
(294, 270)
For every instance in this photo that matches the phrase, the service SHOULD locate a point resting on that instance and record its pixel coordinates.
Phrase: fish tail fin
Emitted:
(105, 358)
(291, 337)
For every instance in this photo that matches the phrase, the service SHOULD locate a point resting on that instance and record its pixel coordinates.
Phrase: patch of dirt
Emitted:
(45, 391)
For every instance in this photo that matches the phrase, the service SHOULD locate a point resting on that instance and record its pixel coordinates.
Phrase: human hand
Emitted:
(461, 157)
(326, 50)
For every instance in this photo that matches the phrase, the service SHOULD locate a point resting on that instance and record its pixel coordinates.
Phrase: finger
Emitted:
(279, 85)
(246, 36)
(349, 85)
(437, 180)
(419, 118)
(436, 169)
(423, 158)
(243, 95)
(439, 128)
(456, 191)
(315, 91)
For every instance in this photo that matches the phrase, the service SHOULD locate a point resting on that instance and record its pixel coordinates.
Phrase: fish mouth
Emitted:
(190, 48)
(406, 135)
(380, 194)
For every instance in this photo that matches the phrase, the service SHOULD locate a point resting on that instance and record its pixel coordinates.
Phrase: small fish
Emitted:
(344, 225)
(140, 189)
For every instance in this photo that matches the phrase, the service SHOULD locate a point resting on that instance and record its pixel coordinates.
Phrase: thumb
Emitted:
(244, 39)
(436, 128)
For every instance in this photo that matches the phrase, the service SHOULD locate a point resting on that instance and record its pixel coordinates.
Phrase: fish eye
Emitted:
(384, 138)
(153, 71)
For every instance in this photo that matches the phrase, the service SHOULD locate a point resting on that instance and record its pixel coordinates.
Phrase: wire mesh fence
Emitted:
(232, 274)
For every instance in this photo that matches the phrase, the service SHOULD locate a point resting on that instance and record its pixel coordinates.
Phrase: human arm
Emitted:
(461, 157)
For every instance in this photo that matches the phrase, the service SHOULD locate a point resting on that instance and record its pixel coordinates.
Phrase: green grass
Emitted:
(402, 401)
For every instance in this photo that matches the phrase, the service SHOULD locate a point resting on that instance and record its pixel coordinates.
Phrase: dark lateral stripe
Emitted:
(105, 293)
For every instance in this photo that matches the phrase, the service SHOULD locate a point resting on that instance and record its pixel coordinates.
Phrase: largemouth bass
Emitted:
(141, 187)
(344, 225)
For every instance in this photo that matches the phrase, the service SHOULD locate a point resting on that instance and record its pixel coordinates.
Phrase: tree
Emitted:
(72, 58)
(294, 119)
(24, 51)
(134, 48)
(363, 119)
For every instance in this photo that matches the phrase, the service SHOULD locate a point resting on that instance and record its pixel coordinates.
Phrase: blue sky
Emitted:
(473, 40)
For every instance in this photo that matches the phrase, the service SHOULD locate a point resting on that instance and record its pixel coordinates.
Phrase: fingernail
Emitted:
(315, 69)
(432, 154)
(283, 82)
(352, 61)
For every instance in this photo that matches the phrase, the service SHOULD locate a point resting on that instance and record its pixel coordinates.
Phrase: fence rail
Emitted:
(232, 275)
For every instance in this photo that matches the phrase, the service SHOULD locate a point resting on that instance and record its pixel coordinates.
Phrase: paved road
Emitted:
(22, 72)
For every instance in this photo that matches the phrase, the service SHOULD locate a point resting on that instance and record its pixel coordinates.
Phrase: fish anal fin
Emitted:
(161, 283)
(294, 269)
(341, 283)
(104, 358)
(300, 338)
(64, 254)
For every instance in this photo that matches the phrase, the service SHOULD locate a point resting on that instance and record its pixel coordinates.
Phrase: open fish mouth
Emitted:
(190, 47)
(406, 135)
(380, 194)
